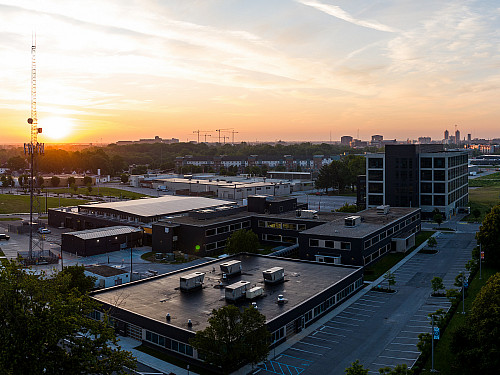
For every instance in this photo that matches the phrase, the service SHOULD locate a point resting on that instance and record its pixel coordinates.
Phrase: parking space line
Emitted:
(356, 308)
(364, 304)
(305, 351)
(318, 346)
(355, 313)
(345, 317)
(346, 324)
(400, 358)
(340, 329)
(402, 351)
(332, 334)
(319, 338)
(397, 343)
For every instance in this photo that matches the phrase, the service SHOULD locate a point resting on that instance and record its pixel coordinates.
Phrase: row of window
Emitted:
(277, 335)
(375, 163)
(227, 228)
(280, 225)
(168, 343)
(330, 244)
(458, 171)
(279, 238)
(456, 183)
(457, 194)
(370, 258)
(439, 200)
(430, 175)
(379, 237)
(215, 245)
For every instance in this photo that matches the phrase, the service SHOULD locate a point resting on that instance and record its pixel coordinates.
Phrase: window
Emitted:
(301, 227)
(375, 175)
(261, 224)
(439, 175)
(426, 162)
(376, 163)
(211, 246)
(210, 232)
(375, 188)
(245, 224)
(289, 226)
(426, 200)
(270, 224)
(439, 200)
(223, 229)
(330, 244)
(345, 245)
(313, 242)
(426, 175)
(426, 187)
(438, 162)
(439, 187)
(368, 244)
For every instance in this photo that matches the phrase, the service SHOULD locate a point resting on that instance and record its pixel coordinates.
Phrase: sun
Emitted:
(56, 127)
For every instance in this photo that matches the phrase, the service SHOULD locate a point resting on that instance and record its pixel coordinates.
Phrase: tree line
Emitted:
(341, 174)
(113, 159)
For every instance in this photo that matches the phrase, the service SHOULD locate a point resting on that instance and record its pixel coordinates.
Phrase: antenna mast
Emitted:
(33, 149)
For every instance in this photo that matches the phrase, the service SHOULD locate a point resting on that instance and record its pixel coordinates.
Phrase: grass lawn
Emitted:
(9, 218)
(103, 191)
(376, 270)
(21, 203)
(443, 358)
(484, 199)
(484, 181)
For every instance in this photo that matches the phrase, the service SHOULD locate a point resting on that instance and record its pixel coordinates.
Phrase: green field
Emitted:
(103, 191)
(21, 203)
(484, 199)
(484, 181)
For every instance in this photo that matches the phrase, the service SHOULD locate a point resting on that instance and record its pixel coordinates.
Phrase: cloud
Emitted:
(339, 13)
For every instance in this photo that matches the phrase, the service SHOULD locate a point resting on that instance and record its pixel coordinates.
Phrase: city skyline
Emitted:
(292, 70)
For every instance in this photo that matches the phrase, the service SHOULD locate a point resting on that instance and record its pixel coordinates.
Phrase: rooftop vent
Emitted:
(274, 275)
(230, 268)
(192, 281)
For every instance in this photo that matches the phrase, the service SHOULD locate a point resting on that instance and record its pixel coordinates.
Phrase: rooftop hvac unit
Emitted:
(274, 275)
(307, 214)
(352, 221)
(237, 290)
(254, 292)
(383, 210)
(230, 268)
(192, 281)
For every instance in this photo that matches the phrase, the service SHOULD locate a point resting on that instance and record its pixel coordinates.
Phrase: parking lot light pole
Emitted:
(463, 293)
(432, 349)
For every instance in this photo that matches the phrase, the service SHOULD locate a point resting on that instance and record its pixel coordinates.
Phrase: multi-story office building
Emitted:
(424, 176)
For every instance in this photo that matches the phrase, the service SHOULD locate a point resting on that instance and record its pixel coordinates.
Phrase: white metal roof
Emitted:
(103, 232)
(166, 205)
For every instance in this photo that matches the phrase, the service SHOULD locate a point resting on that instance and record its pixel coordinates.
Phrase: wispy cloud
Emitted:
(338, 12)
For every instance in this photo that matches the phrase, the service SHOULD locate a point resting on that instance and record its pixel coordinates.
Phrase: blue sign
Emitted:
(436, 333)
(466, 284)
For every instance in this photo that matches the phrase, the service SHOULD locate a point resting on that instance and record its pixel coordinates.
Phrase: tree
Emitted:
(71, 180)
(432, 242)
(489, 237)
(242, 241)
(87, 180)
(17, 163)
(46, 326)
(39, 182)
(476, 212)
(89, 188)
(390, 278)
(438, 218)
(437, 285)
(23, 180)
(124, 178)
(55, 181)
(398, 370)
(476, 342)
(356, 369)
(349, 208)
(233, 338)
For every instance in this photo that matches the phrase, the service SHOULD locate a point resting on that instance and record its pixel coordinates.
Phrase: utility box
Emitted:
(383, 209)
(274, 275)
(233, 267)
(237, 290)
(254, 292)
(307, 214)
(192, 281)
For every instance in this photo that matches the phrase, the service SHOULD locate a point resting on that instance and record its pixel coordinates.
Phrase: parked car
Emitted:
(4, 236)
(44, 231)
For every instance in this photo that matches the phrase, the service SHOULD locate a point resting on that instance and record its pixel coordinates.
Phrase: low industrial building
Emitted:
(165, 312)
(107, 276)
(101, 240)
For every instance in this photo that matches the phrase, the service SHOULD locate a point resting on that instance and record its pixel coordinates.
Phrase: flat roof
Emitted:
(371, 222)
(89, 234)
(157, 296)
(223, 183)
(104, 270)
(165, 205)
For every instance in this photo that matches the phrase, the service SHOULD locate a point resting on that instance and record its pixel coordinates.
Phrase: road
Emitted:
(379, 329)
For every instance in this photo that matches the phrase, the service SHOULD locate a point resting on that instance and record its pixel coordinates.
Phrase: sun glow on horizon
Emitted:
(56, 128)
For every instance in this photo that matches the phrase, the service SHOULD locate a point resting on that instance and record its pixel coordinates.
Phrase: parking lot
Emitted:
(380, 329)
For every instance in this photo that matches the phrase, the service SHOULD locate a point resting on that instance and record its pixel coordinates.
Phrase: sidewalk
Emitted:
(305, 332)
(129, 344)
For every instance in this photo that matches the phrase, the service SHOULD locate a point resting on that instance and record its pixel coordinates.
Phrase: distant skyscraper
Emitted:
(457, 137)
(446, 134)
(469, 137)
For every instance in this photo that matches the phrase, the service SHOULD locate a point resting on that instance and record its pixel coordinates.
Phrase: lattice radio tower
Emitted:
(33, 149)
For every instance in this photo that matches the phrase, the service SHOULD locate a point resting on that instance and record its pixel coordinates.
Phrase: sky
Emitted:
(292, 70)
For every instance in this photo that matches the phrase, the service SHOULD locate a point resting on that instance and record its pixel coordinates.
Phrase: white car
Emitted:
(44, 231)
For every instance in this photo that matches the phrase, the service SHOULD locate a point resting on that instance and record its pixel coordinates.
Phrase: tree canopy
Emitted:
(489, 237)
(46, 326)
(233, 338)
(242, 241)
(476, 343)
(340, 174)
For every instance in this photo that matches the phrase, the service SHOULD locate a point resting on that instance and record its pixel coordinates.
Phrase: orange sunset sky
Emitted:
(113, 70)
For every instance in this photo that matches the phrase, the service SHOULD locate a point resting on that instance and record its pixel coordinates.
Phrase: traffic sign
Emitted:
(482, 255)
(436, 333)
(466, 284)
